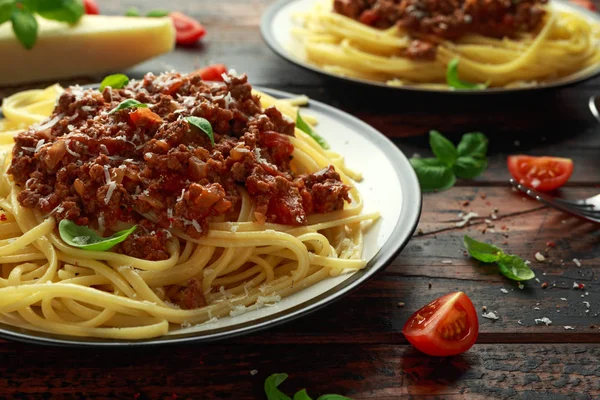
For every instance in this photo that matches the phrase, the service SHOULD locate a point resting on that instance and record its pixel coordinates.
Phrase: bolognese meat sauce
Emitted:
(151, 167)
(431, 21)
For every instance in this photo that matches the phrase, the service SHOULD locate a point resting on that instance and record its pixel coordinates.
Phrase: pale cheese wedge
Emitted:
(98, 44)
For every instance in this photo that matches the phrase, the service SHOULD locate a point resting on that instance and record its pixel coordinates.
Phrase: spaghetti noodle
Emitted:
(241, 263)
(562, 43)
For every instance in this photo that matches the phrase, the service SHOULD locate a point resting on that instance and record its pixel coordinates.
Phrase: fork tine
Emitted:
(593, 215)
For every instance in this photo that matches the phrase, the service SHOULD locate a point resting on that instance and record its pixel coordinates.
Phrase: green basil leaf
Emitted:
(132, 12)
(333, 397)
(25, 27)
(157, 13)
(306, 128)
(203, 125)
(69, 11)
(514, 267)
(485, 252)
(469, 167)
(6, 10)
(116, 81)
(271, 384)
(455, 82)
(85, 238)
(474, 144)
(129, 103)
(443, 149)
(302, 395)
(433, 174)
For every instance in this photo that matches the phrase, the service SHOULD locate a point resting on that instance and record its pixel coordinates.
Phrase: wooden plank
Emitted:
(361, 371)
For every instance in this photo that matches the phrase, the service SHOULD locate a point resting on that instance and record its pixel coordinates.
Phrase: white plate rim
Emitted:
(403, 230)
(267, 32)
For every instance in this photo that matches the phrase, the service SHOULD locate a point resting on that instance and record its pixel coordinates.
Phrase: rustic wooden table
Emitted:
(354, 346)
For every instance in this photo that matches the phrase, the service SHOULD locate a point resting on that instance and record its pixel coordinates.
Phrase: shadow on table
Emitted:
(432, 374)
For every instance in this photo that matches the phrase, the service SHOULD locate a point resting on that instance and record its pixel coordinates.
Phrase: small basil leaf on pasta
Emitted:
(132, 12)
(6, 9)
(85, 238)
(474, 144)
(69, 11)
(482, 251)
(302, 395)
(514, 267)
(116, 81)
(271, 384)
(204, 126)
(455, 82)
(157, 13)
(442, 148)
(469, 167)
(433, 174)
(129, 103)
(304, 127)
(25, 27)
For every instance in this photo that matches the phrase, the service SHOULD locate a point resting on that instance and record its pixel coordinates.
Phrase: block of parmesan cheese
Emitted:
(98, 44)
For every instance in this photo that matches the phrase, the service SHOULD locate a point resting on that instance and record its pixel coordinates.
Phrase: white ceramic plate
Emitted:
(277, 22)
(389, 186)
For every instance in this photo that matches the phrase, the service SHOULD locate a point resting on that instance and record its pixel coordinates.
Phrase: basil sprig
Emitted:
(115, 81)
(304, 127)
(273, 393)
(85, 238)
(129, 103)
(466, 161)
(455, 82)
(204, 126)
(21, 14)
(510, 265)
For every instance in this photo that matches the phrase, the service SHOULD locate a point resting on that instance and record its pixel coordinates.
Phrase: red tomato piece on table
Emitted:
(445, 327)
(540, 173)
(143, 117)
(188, 30)
(585, 4)
(91, 7)
(212, 72)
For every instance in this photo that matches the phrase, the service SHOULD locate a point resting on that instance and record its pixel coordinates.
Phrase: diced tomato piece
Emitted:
(144, 117)
(540, 173)
(369, 17)
(585, 4)
(212, 72)
(91, 7)
(445, 327)
(281, 146)
(188, 30)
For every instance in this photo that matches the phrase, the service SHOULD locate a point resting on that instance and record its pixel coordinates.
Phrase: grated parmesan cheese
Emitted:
(504, 290)
(569, 327)
(238, 310)
(466, 219)
(577, 262)
(71, 152)
(545, 320)
(490, 315)
(39, 145)
(587, 304)
(539, 257)
(111, 188)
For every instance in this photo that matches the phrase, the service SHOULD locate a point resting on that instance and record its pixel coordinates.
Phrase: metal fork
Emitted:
(586, 208)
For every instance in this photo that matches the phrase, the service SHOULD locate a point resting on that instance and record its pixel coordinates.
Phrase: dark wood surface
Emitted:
(354, 346)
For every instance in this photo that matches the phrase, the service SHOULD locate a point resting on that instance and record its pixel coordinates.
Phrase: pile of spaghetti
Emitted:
(134, 211)
(412, 42)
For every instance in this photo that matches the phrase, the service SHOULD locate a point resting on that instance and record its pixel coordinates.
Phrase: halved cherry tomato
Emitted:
(445, 327)
(212, 72)
(188, 30)
(540, 173)
(143, 117)
(91, 7)
(585, 4)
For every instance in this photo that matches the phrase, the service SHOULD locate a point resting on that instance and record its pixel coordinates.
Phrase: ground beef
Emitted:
(150, 167)
(430, 21)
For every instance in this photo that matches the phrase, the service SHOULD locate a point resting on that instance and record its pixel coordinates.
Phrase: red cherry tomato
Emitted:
(212, 72)
(91, 7)
(585, 4)
(445, 327)
(188, 30)
(540, 173)
(143, 117)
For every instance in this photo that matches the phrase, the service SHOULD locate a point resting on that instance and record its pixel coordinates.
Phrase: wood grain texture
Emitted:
(354, 346)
